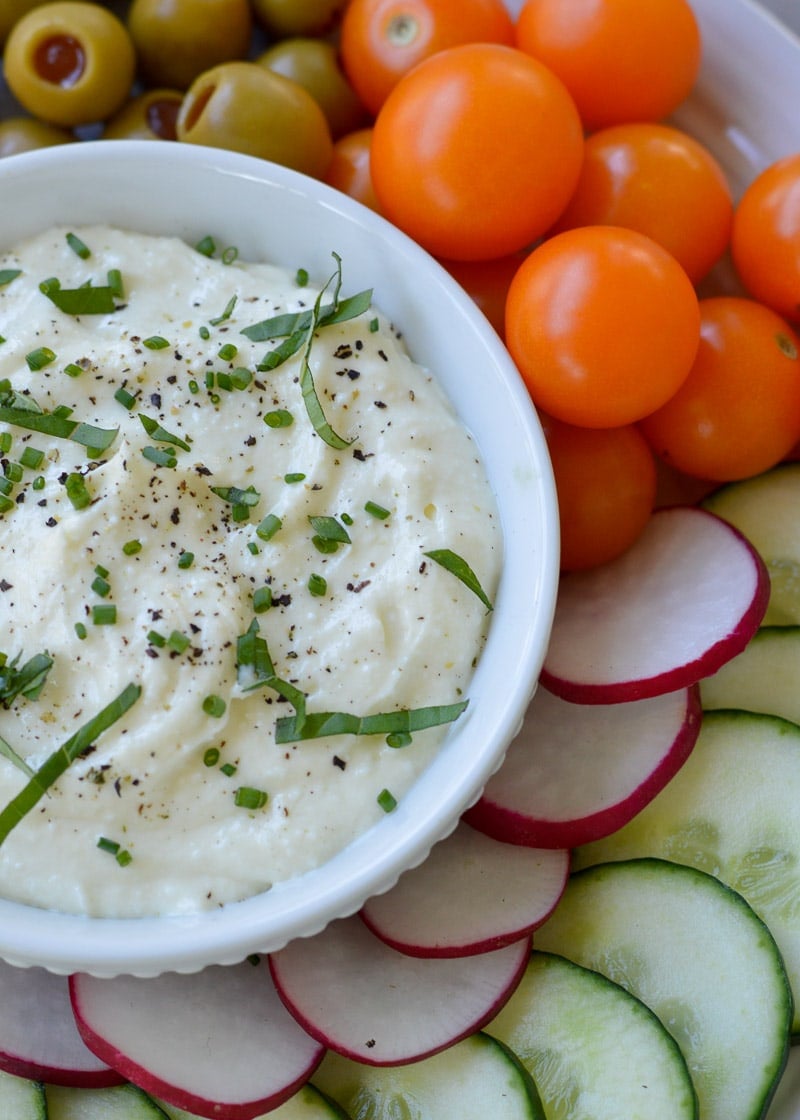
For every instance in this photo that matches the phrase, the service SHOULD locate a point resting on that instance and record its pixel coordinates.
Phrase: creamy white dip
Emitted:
(390, 630)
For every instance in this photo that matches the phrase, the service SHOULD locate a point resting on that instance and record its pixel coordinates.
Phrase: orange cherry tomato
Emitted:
(622, 60)
(476, 151)
(348, 169)
(488, 283)
(660, 181)
(606, 485)
(738, 411)
(603, 324)
(380, 40)
(765, 241)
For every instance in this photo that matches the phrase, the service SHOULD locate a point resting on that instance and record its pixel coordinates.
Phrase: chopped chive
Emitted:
(126, 399)
(253, 548)
(224, 381)
(206, 246)
(81, 630)
(347, 519)
(227, 352)
(373, 325)
(228, 769)
(73, 370)
(6, 504)
(178, 641)
(104, 614)
(267, 528)
(317, 585)
(262, 599)
(236, 496)
(99, 570)
(101, 587)
(325, 546)
(209, 379)
(226, 314)
(398, 739)
(77, 491)
(156, 342)
(9, 274)
(160, 456)
(458, 567)
(6, 485)
(374, 510)
(38, 483)
(156, 639)
(60, 760)
(240, 377)
(39, 358)
(193, 386)
(130, 548)
(31, 458)
(79, 248)
(317, 725)
(278, 418)
(211, 756)
(185, 560)
(204, 332)
(246, 797)
(301, 277)
(387, 801)
(106, 845)
(6, 441)
(114, 281)
(294, 477)
(230, 254)
(124, 858)
(13, 472)
(214, 706)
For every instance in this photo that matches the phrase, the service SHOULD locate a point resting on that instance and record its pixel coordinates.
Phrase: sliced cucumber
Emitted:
(733, 811)
(21, 1099)
(698, 956)
(473, 1080)
(594, 1050)
(122, 1102)
(764, 677)
(767, 510)
(307, 1103)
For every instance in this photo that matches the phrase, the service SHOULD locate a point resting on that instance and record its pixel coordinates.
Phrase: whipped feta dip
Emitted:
(156, 559)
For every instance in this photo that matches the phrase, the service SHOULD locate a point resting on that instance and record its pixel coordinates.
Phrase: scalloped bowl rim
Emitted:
(270, 212)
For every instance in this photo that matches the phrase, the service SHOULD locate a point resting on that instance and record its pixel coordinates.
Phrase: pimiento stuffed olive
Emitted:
(70, 62)
(151, 115)
(176, 40)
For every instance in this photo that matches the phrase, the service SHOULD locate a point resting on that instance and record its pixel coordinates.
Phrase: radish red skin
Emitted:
(348, 956)
(177, 1095)
(42, 999)
(513, 826)
(616, 689)
(428, 913)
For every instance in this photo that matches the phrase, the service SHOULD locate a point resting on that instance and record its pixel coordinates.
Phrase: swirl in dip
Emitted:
(181, 559)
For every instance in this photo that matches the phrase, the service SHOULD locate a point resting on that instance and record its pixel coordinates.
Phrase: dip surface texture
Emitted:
(194, 526)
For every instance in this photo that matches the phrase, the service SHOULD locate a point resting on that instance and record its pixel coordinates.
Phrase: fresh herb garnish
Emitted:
(79, 248)
(155, 431)
(58, 762)
(87, 300)
(458, 567)
(55, 424)
(26, 680)
(319, 725)
(9, 274)
(387, 800)
(254, 669)
(39, 358)
(246, 797)
(329, 529)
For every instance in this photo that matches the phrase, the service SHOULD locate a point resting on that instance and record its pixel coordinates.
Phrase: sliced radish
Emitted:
(578, 772)
(217, 1042)
(683, 600)
(38, 1036)
(472, 894)
(367, 1001)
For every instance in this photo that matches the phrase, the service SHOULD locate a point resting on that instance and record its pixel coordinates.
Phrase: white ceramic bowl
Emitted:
(273, 214)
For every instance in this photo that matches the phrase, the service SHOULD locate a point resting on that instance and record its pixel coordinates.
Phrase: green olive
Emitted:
(24, 134)
(247, 108)
(176, 40)
(70, 62)
(13, 10)
(314, 64)
(151, 115)
(282, 18)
